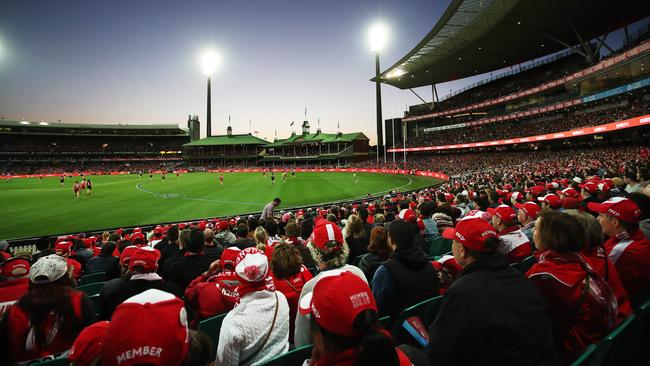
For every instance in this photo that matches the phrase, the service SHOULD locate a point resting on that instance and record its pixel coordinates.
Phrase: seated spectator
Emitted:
(355, 237)
(105, 261)
(292, 235)
(48, 318)
(162, 329)
(510, 306)
(257, 329)
(330, 253)
(626, 247)
(289, 276)
(643, 202)
(43, 248)
(14, 283)
(594, 253)
(527, 214)
(63, 249)
(215, 291)
(168, 247)
(407, 277)
(344, 324)
(512, 242)
(4, 250)
(177, 255)
(427, 208)
(243, 239)
(193, 263)
(141, 276)
(582, 307)
(224, 236)
(86, 349)
(212, 251)
(378, 252)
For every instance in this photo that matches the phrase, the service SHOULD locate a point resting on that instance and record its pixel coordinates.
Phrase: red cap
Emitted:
(605, 187)
(620, 208)
(530, 208)
(569, 192)
(325, 232)
(507, 187)
(229, 256)
(63, 248)
(181, 226)
(413, 204)
(137, 230)
(147, 257)
(88, 345)
(590, 187)
(449, 197)
(223, 225)
(448, 264)
(138, 239)
(506, 213)
(471, 232)
(336, 301)
(551, 199)
(148, 328)
(15, 268)
(158, 231)
(537, 190)
(407, 215)
(518, 196)
(126, 254)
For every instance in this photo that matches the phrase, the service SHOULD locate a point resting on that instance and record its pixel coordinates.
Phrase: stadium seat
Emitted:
(641, 332)
(426, 310)
(525, 264)
(63, 361)
(294, 357)
(91, 289)
(93, 278)
(438, 246)
(585, 356)
(212, 327)
(618, 348)
(385, 321)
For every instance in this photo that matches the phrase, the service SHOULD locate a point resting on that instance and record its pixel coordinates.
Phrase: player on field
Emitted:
(178, 175)
(83, 184)
(62, 179)
(140, 174)
(264, 172)
(150, 175)
(284, 175)
(221, 178)
(89, 187)
(272, 177)
(354, 177)
(293, 173)
(40, 177)
(76, 188)
(162, 176)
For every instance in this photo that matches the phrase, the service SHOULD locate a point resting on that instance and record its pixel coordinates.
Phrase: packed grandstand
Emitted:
(534, 250)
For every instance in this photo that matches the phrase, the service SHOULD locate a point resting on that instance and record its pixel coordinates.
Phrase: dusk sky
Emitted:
(138, 62)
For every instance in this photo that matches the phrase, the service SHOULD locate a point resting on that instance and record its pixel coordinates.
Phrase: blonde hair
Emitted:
(354, 227)
(379, 218)
(261, 238)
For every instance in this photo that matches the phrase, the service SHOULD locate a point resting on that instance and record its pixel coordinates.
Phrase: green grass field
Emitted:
(31, 207)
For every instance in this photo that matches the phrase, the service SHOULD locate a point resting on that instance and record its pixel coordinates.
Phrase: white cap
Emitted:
(48, 269)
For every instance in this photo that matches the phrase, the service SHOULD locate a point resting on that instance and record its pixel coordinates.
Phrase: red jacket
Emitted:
(631, 256)
(598, 260)
(514, 244)
(349, 358)
(23, 348)
(76, 268)
(291, 288)
(11, 291)
(582, 307)
(212, 296)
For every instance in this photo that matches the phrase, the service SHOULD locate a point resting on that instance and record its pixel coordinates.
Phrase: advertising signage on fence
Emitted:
(609, 127)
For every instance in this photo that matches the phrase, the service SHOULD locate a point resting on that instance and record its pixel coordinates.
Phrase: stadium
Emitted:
(507, 221)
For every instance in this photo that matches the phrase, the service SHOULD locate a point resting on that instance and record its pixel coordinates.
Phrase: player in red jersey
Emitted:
(76, 188)
(220, 178)
(62, 179)
(89, 186)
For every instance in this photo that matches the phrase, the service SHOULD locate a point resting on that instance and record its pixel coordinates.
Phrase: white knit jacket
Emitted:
(245, 327)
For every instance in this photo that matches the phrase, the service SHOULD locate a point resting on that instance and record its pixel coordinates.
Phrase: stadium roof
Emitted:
(221, 140)
(478, 36)
(94, 126)
(320, 137)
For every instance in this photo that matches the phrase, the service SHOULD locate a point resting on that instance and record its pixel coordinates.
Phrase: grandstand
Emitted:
(54, 147)
(514, 229)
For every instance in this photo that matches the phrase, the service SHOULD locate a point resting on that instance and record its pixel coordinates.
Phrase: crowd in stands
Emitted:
(556, 249)
(581, 116)
(90, 145)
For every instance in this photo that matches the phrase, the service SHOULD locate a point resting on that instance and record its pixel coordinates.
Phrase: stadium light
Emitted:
(210, 61)
(377, 38)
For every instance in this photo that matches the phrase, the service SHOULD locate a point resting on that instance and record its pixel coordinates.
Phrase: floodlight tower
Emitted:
(209, 62)
(377, 37)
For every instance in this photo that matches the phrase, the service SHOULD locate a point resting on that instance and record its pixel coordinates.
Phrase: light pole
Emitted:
(377, 36)
(209, 62)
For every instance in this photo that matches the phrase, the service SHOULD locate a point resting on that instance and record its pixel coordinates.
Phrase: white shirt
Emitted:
(268, 211)
(245, 327)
